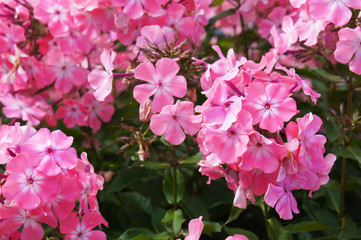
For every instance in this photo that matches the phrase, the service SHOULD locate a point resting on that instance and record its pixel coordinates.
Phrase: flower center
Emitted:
(267, 106)
(259, 144)
(50, 151)
(175, 117)
(30, 180)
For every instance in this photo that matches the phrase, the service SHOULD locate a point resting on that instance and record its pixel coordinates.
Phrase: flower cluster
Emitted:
(244, 139)
(42, 183)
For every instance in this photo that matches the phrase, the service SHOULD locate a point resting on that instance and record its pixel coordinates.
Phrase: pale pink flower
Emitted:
(173, 119)
(101, 81)
(195, 228)
(237, 237)
(349, 47)
(335, 11)
(162, 83)
(269, 105)
(26, 185)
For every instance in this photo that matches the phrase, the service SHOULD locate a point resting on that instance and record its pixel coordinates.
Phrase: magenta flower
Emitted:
(270, 105)
(349, 46)
(173, 119)
(73, 112)
(76, 229)
(26, 185)
(162, 83)
(52, 151)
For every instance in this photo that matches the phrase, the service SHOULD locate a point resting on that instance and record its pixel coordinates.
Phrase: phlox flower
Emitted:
(67, 194)
(101, 81)
(349, 47)
(83, 229)
(335, 11)
(173, 119)
(162, 83)
(13, 217)
(281, 197)
(73, 112)
(262, 153)
(270, 105)
(97, 110)
(231, 143)
(26, 185)
(52, 151)
(65, 70)
(237, 237)
(136, 8)
(20, 106)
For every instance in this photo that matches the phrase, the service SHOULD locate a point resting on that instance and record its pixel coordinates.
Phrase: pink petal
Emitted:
(166, 69)
(174, 133)
(32, 230)
(355, 64)
(143, 92)
(177, 86)
(158, 124)
(146, 72)
(70, 224)
(161, 98)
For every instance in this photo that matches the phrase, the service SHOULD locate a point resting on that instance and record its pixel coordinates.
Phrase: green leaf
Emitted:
(173, 221)
(307, 226)
(332, 129)
(155, 165)
(137, 200)
(353, 152)
(168, 185)
(333, 198)
(275, 230)
(323, 74)
(349, 229)
(194, 207)
(194, 159)
(217, 2)
(165, 142)
(232, 231)
(134, 232)
(235, 212)
(211, 227)
(129, 176)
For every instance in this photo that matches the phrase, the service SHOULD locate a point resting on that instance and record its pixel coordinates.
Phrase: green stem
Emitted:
(175, 187)
(265, 213)
(344, 160)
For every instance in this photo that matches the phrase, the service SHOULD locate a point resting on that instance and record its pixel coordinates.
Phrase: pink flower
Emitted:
(26, 185)
(173, 119)
(73, 112)
(162, 83)
(231, 143)
(101, 81)
(97, 110)
(269, 105)
(237, 237)
(262, 153)
(52, 151)
(195, 228)
(335, 11)
(136, 8)
(349, 46)
(282, 198)
(65, 70)
(76, 229)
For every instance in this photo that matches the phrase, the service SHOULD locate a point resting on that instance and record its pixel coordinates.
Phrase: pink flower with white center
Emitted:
(281, 197)
(83, 230)
(73, 112)
(13, 217)
(20, 106)
(335, 11)
(270, 105)
(349, 47)
(162, 83)
(65, 71)
(262, 153)
(101, 81)
(52, 151)
(173, 119)
(231, 143)
(26, 185)
(97, 110)
(195, 228)
(56, 14)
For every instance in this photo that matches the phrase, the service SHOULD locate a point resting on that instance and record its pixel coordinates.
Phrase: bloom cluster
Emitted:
(42, 182)
(243, 128)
